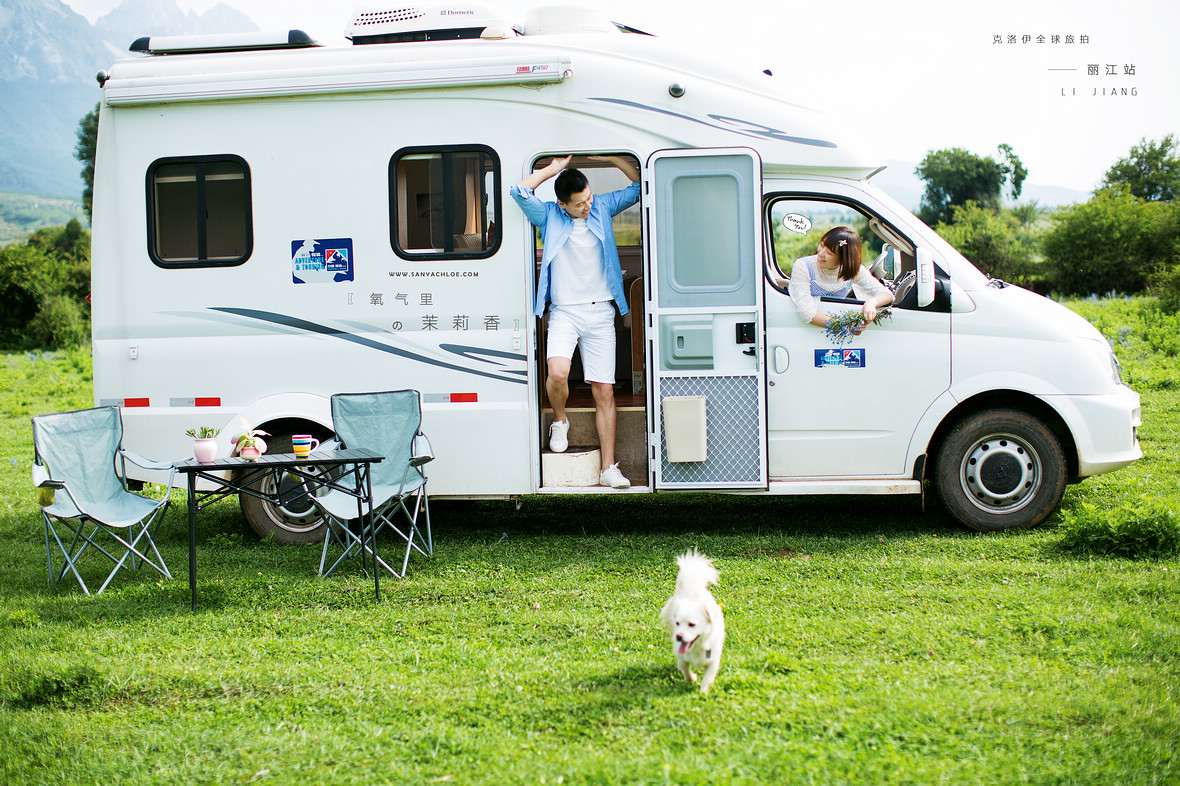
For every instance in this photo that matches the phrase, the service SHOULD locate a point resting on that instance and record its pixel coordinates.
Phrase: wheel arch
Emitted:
(290, 413)
(282, 415)
(1008, 399)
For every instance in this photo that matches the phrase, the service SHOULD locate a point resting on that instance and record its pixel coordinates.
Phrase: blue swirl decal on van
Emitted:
(725, 123)
(472, 353)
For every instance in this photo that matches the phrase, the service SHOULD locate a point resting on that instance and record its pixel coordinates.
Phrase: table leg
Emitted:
(192, 538)
(372, 531)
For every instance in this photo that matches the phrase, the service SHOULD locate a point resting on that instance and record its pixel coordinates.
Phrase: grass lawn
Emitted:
(868, 642)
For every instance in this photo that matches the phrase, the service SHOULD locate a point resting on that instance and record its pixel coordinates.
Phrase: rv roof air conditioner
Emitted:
(388, 24)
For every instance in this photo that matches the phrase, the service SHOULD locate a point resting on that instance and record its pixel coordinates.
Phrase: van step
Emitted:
(630, 439)
(572, 468)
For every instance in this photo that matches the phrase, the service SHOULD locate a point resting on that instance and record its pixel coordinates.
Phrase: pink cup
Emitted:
(303, 444)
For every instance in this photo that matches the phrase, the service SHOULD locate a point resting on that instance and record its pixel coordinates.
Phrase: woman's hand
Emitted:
(870, 311)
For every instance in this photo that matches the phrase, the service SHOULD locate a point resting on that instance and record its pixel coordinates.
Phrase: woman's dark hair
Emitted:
(845, 244)
(569, 182)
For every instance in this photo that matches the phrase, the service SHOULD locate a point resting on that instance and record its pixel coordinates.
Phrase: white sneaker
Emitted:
(613, 478)
(559, 436)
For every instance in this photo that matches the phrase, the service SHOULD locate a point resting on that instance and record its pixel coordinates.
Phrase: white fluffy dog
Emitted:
(694, 620)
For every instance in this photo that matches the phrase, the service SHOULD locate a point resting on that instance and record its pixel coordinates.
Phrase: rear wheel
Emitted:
(1000, 469)
(296, 522)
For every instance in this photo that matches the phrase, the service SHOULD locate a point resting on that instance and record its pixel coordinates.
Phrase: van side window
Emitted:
(795, 225)
(444, 202)
(199, 212)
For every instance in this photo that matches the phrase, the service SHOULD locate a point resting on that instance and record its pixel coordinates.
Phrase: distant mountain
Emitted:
(48, 58)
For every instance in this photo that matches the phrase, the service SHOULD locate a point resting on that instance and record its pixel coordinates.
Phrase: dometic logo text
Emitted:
(458, 13)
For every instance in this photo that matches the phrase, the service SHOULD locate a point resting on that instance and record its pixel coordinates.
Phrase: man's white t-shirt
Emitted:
(577, 272)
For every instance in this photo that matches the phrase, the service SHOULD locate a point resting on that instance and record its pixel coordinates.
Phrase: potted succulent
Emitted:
(249, 445)
(204, 443)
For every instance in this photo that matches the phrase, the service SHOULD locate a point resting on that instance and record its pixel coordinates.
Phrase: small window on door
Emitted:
(444, 202)
(199, 211)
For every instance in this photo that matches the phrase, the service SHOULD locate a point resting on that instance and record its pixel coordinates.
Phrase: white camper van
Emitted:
(276, 221)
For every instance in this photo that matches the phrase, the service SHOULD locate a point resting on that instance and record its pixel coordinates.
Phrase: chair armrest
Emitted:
(140, 461)
(127, 455)
(420, 450)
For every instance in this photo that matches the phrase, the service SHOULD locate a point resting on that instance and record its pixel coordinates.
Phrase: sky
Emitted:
(1071, 85)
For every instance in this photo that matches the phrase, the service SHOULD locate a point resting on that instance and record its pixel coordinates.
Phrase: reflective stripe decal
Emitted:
(206, 401)
(450, 398)
(196, 401)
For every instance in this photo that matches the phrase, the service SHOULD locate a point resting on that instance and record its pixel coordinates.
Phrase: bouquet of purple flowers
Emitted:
(845, 326)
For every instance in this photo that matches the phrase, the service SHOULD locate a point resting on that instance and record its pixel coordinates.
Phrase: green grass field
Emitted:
(869, 642)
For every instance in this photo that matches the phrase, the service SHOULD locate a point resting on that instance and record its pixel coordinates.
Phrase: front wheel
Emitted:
(1000, 469)
(298, 521)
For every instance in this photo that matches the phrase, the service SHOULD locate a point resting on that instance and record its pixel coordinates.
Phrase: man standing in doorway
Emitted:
(580, 279)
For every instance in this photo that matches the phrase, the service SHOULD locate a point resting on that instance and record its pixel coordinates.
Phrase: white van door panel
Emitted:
(855, 416)
(850, 410)
(705, 328)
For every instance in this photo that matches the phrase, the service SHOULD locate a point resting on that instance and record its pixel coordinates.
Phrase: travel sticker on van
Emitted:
(325, 261)
(844, 358)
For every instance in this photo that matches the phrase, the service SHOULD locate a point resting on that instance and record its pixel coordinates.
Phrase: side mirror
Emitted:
(925, 277)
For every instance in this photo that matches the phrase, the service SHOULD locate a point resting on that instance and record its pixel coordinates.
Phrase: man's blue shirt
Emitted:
(556, 225)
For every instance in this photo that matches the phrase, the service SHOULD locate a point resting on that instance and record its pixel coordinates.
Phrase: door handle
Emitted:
(782, 360)
(750, 351)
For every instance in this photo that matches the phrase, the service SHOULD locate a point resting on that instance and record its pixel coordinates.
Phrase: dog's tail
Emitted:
(696, 572)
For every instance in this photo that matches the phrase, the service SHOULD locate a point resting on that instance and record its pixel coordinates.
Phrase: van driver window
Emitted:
(199, 212)
(444, 202)
(796, 226)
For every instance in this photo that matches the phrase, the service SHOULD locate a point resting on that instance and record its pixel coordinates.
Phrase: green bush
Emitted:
(1165, 285)
(1111, 243)
(43, 284)
(992, 241)
(60, 323)
(1143, 530)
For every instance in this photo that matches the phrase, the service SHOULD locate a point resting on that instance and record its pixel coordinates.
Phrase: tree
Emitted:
(1014, 171)
(84, 152)
(1151, 171)
(956, 176)
(1112, 243)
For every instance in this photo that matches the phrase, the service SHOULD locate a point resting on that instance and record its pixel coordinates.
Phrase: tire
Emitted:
(1000, 469)
(296, 522)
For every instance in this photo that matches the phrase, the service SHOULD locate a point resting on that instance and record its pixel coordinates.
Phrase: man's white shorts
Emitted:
(593, 326)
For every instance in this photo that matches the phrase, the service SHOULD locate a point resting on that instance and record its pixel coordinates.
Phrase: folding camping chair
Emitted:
(388, 424)
(81, 468)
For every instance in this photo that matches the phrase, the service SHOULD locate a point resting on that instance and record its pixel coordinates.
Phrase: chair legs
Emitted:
(83, 539)
(351, 542)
